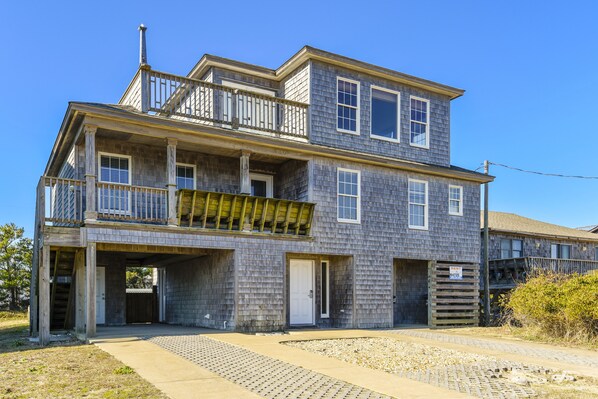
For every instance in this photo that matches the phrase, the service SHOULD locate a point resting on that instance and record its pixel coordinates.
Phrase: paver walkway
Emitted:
(187, 363)
(267, 377)
(560, 355)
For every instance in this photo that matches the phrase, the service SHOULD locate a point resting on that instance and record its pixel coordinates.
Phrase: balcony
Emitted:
(61, 203)
(506, 273)
(210, 104)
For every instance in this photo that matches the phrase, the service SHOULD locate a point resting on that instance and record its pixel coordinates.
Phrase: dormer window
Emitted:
(347, 106)
(420, 122)
(385, 114)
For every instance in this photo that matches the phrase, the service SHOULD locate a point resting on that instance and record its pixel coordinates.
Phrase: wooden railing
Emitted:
(63, 205)
(508, 272)
(234, 212)
(132, 203)
(216, 105)
(61, 201)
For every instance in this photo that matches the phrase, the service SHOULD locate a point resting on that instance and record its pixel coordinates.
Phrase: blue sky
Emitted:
(529, 69)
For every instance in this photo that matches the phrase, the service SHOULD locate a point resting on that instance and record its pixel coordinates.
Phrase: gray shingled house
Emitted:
(319, 193)
(519, 246)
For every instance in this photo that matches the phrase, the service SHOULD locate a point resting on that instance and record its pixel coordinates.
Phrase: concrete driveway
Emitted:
(186, 362)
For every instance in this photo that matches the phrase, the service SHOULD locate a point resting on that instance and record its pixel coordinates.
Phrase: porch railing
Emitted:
(216, 105)
(62, 201)
(507, 272)
(132, 203)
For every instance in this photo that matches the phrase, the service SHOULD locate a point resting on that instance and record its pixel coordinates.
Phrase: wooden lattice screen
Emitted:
(453, 300)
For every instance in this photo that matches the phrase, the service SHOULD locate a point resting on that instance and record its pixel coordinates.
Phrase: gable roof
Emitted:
(512, 223)
(312, 53)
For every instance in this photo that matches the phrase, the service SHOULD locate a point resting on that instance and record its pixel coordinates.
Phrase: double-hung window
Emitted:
(511, 248)
(385, 114)
(185, 176)
(348, 195)
(418, 204)
(420, 122)
(455, 200)
(115, 172)
(560, 251)
(347, 106)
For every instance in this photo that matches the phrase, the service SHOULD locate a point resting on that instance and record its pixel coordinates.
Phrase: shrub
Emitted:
(560, 306)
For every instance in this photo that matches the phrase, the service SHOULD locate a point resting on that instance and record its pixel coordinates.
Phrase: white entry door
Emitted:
(100, 295)
(301, 293)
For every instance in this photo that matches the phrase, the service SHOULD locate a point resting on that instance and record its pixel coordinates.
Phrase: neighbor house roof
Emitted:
(593, 228)
(311, 53)
(511, 223)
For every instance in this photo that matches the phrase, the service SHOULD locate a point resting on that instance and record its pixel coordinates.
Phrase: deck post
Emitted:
(90, 172)
(44, 296)
(90, 292)
(245, 179)
(171, 173)
(80, 291)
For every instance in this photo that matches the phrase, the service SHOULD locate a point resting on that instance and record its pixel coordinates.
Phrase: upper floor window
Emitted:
(115, 168)
(560, 251)
(420, 122)
(511, 248)
(418, 204)
(348, 195)
(455, 200)
(261, 185)
(347, 106)
(185, 176)
(385, 114)
(596, 253)
(116, 171)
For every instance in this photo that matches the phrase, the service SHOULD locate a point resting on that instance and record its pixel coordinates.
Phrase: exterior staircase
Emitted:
(62, 289)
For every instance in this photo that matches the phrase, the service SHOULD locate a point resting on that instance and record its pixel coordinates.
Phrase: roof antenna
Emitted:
(142, 51)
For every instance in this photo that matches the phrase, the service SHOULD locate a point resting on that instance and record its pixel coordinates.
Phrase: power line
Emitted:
(543, 173)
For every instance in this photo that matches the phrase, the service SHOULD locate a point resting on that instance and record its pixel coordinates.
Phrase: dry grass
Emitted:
(65, 370)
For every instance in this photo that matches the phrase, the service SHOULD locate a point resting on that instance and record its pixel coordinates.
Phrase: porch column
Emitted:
(44, 296)
(245, 179)
(90, 292)
(171, 172)
(80, 291)
(90, 172)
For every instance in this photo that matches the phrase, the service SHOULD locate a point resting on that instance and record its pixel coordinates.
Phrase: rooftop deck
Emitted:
(210, 104)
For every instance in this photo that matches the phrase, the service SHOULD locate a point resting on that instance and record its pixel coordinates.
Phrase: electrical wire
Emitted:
(542, 173)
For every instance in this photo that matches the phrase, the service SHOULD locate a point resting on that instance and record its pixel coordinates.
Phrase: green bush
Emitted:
(560, 306)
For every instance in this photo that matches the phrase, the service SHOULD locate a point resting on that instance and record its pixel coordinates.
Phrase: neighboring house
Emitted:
(519, 245)
(592, 228)
(317, 194)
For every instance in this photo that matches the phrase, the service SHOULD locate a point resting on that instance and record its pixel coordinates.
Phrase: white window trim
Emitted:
(374, 136)
(188, 165)
(269, 179)
(427, 146)
(109, 154)
(425, 226)
(327, 314)
(358, 220)
(460, 213)
(357, 110)
(99, 175)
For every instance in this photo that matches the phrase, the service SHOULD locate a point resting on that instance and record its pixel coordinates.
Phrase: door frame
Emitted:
(313, 287)
(99, 305)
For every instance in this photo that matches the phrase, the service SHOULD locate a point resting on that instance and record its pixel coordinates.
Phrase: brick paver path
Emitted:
(262, 375)
(509, 347)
